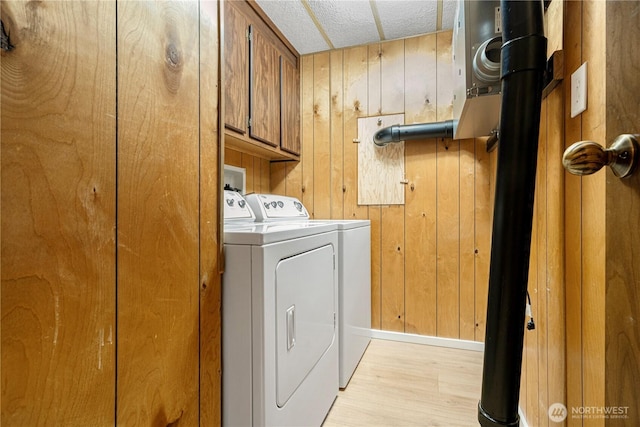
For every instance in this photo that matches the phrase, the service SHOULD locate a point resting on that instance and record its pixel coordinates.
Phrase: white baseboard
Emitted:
(523, 420)
(427, 340)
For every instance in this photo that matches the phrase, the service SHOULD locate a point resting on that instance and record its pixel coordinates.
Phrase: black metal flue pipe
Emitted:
(523, 65)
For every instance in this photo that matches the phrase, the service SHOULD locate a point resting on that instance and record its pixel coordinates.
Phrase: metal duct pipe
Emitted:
(397, 133)
(523, 65)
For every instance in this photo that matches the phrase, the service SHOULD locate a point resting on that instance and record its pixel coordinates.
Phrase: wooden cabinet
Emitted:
(236, 113)
(262, 102)
(264, 90)
(290, 107)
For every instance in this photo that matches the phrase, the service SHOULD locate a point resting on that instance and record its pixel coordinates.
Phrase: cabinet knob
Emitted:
(587, 157)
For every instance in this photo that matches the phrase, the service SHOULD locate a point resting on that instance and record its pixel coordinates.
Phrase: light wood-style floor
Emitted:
(403, 384)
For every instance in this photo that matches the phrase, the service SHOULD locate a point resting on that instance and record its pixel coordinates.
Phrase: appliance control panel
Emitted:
(236, 207)
(274, 207)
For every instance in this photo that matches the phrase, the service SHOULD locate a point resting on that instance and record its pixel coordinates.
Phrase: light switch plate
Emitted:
(579, 90)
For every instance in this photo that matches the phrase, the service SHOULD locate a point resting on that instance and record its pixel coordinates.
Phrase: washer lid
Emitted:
(265, 233)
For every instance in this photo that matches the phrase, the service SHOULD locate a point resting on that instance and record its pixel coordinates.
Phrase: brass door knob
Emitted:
(587, 157)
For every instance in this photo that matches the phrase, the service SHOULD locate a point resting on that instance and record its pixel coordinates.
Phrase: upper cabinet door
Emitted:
(236, 113)
(290, 107)
(264, 95)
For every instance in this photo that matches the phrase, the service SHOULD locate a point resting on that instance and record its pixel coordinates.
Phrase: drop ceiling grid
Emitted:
(349, 23)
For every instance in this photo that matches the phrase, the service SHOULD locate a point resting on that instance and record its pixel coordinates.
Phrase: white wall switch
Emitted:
(579, 90)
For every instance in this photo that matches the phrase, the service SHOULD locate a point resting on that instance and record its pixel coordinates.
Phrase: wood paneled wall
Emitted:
(258, 170)
(110, 299)
(430, 257)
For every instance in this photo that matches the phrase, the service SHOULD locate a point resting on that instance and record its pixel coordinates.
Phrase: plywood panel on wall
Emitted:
(380, 169)
(158, 161)
(58, 214)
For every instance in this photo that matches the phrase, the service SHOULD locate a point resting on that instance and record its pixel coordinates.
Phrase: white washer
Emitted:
(279, 302)
(354, 274)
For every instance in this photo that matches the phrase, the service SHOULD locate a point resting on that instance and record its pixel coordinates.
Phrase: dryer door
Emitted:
(305, 325)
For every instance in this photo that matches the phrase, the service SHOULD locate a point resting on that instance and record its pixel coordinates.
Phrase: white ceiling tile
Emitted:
(347, 22)
(295, 24)
(351, 22)
(407, 18)
(448, 14)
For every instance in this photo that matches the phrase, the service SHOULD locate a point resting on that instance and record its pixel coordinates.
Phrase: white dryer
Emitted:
(280, 345)
(354, 274)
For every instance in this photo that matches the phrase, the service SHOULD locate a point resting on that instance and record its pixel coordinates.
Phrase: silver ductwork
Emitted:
(477, 39)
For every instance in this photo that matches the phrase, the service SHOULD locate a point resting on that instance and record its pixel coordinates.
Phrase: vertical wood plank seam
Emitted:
(199, 217)
(116, 340)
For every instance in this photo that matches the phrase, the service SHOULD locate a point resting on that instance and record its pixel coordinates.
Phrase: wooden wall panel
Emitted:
(428, 229)
(593, 213)
(375, 216)
(444, 66)
(556, 336)
(420, 238)
(355, 105)
(467, 239)
(392, 268)
(321, 136)
(392, 77)
(337, 134)
(307, 125)
(210, 279)
(573, 218)
(420, 75)
(58, 214)
(483, 220)
(623, 210)
(158, 162)
(448, 238)
(259, 171)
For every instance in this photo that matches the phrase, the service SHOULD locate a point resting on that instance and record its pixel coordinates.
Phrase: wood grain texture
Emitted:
(593, 214)
(444, 66)
(420, 75)
(381, 170)
(401, 384)
(375, 216)
(307, 106)
(622, 362)
(448, 235)
(264, 74)
(290, 114)
(467, 239)
(420, 238)
(236, 68)
(321, 135)
(356, 97)
(573, 219)
(483, 218)
(392, 268)
(374, 85)
(158, 161)
(392, 83)
(58, 214)
(210, 393)
(556, 290)
(247, 162)
(337, 134)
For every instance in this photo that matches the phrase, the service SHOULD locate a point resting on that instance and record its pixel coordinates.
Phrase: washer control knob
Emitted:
(280, 204)
(274, 204)
(266, 205)
(230, 202)
(241, 203)
(298, 206)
